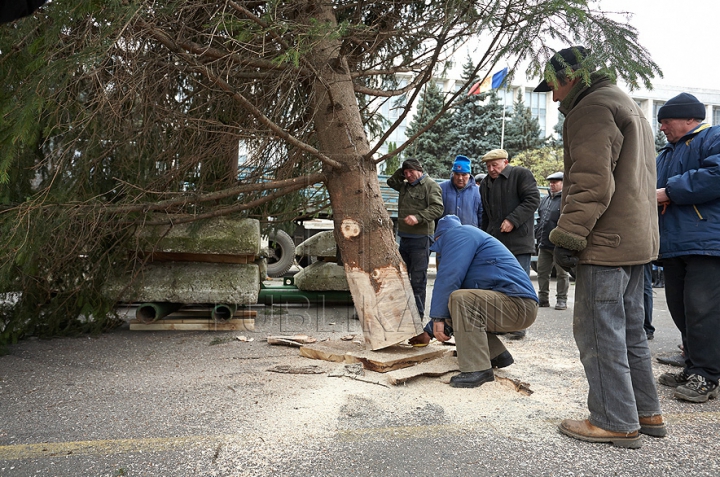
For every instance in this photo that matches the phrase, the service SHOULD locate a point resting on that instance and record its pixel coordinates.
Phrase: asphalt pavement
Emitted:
(188, 403)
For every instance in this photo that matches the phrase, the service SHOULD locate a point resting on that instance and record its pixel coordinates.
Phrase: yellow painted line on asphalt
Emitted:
(164, 444)
(113, 446)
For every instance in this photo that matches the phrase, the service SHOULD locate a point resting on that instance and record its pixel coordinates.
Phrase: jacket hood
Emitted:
(446, 223)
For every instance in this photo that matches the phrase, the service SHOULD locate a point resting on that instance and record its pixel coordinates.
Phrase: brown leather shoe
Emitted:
(585, 431)
(653, 426)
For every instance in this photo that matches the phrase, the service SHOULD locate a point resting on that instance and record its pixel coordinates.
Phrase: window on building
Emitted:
(506, 97)
(537, 102)
(715, 115)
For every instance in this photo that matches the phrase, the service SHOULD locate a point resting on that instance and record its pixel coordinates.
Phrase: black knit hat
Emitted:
(682, 106)
(569, 57)
(413, 164)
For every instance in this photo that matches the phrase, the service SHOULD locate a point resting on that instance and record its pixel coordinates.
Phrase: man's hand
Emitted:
(565, 258)
(662, 200)
(439, 331)
(506, 226)
(411, 220)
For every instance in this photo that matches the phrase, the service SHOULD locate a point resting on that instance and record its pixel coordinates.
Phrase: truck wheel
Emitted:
(281, 253)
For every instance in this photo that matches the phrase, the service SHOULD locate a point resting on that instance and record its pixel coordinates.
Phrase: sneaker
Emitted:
(674, 379)
(561, 305)
(517, 335)
(697, 389)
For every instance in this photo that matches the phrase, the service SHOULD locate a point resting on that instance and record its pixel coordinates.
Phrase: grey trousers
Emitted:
(608, 328)
(545, 264)
(476, 313)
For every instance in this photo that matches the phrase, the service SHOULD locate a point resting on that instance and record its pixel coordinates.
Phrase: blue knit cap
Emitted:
(461, 165)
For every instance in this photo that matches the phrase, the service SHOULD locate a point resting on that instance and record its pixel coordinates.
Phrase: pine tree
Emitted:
(477, 122)
(118, 114)
(522, 131)
(473, 123)
(557, 140)
(432, 147)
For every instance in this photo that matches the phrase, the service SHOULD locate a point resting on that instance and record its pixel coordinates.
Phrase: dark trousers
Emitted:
(415, 252)
(693, 298)
(648, 300)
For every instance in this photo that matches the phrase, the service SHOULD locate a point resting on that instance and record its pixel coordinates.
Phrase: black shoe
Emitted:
(674, 360)
(674, 379)
(516, 335)
(472, 380)
(650, 336)
(503, 360)
(544, 304)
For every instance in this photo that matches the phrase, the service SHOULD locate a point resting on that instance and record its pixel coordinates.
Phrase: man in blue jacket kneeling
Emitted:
(481, 290)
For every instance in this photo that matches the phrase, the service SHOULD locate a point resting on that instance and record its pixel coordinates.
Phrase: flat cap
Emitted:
(555, 176)
(495, 154)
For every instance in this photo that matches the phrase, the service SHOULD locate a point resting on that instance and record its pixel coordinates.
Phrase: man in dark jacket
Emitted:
(688, 181)
(548, 215)
(479, 289)
(608, 231)
(510, 198)
(419, 205)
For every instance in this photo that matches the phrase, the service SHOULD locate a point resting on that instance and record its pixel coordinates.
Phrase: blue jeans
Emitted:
(415, 252)
(608, 329)
(693, 298)
(648, 299)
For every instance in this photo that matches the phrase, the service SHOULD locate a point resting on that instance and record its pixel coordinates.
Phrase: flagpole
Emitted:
(502, 131)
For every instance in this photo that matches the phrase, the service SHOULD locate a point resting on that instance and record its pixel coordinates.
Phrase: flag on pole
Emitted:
(489, 83)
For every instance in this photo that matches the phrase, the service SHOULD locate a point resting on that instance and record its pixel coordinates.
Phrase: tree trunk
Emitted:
(376, 274)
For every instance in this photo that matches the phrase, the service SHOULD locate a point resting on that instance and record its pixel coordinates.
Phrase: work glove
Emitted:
(565, 258)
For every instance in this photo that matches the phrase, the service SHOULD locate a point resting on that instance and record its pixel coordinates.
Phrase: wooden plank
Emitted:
(436, 367)
(333, 351)
(388, 359)
(194, 325)
(397, 357)
(206, 312)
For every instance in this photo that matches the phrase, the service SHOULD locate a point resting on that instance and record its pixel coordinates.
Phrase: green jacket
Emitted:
(423, 200)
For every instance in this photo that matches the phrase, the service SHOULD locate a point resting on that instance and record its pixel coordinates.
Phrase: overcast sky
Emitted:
(681, 38)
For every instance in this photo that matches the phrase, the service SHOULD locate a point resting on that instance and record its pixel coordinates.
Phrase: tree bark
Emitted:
(377, 276)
